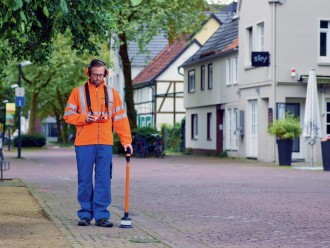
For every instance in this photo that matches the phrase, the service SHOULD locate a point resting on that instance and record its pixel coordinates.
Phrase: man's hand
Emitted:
(128, 146)
(90, 118)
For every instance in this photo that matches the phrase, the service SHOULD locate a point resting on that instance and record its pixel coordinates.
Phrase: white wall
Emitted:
(201, 142)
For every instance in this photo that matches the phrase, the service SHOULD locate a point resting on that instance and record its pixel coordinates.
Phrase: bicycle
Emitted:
(159, 148)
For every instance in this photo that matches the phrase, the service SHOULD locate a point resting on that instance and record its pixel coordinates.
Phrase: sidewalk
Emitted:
(186, 201)
(23, 222)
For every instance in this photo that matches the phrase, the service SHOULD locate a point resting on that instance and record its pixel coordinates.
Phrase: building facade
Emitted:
(158, 88)
(295, 36)
(211, 82)
(278, 42)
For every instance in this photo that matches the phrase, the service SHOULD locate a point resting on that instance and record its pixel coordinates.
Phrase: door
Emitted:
(292, 108)
(220, 113)
(252, 149)
(232, 130)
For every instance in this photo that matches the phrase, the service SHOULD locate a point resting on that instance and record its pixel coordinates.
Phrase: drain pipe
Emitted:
(274, 4)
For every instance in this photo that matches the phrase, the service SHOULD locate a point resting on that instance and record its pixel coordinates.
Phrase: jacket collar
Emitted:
(92, 85)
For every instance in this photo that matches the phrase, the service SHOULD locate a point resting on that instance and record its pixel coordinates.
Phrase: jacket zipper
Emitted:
(98, 124)
(81, 129)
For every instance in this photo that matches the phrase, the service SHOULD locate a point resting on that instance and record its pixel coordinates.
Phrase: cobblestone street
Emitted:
(187, 201)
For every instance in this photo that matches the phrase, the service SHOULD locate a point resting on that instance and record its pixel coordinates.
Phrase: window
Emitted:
(249, 45)
(143, 122)
(148, 121)
(191, 81)
(209, 76)
(328, 118)
(235, 70)
(324, 43)
(202, 77)
(229, 75)
(231, 71)
(208, 124)
(232, 130)
(194, 126)
(261, 36)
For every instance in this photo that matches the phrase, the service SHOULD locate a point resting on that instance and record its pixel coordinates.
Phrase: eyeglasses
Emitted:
(97, 75)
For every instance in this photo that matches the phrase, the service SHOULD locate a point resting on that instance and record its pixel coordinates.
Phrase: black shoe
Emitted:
(84, 222)
(103, 222)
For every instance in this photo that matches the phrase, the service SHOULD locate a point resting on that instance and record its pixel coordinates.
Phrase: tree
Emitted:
(140, 20)
(51, 84)
(69, 75)
(30, 25)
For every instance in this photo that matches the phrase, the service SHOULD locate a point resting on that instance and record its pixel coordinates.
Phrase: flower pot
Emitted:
(325, 145)
(284, 147)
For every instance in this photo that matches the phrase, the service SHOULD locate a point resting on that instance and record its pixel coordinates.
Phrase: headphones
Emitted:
(96, 63)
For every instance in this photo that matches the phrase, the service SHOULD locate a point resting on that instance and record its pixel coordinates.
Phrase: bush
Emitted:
(140, 132)
(189, 151)
(224, 154)
(287, 128)
(145, 132)
(172, 137)
(30, 140)
(117, 147)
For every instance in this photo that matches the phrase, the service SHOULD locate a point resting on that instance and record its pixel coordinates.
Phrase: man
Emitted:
(96, 109)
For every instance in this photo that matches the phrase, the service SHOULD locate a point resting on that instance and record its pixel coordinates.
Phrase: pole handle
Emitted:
(128, 154)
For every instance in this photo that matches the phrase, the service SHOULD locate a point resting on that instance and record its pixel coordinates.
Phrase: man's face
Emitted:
(97, 75)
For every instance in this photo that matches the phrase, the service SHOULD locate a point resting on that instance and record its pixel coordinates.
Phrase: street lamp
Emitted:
(4, 121)
(20, 65)
(13, 86)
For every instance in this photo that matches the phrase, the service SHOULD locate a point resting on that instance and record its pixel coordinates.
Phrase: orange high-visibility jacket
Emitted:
(97, 132)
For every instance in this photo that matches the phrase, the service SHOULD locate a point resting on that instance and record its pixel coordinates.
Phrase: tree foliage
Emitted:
(144, 19)
(29, 26)
(30, 30)
(50, 85)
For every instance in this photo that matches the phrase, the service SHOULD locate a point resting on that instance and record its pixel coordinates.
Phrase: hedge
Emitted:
(30, 140)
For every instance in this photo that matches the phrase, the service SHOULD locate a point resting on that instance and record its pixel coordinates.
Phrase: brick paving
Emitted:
(187, 201)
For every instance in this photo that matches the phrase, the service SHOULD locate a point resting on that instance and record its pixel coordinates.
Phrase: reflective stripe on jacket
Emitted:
(76, 112)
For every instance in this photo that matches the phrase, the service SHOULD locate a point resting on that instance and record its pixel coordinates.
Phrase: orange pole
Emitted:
(127, 187)
(128, 159)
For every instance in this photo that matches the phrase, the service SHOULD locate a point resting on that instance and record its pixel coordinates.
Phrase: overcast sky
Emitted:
(220, 1)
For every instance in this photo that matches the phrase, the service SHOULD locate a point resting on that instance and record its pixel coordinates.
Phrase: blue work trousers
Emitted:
(94, 199)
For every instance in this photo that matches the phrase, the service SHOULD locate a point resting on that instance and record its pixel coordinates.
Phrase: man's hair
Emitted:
(97, 63)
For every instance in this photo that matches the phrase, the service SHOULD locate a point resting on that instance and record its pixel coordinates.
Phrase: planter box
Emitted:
(325, 145)
(284, 148)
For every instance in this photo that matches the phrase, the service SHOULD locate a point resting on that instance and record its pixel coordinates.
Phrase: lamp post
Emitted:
(4, 121)
(13, 86)
(20, 65)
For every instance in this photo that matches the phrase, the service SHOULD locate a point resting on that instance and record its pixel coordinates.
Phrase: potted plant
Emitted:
(325, 146)
(285, 131)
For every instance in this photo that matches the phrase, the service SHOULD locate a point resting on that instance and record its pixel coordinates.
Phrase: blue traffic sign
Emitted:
(20, 101)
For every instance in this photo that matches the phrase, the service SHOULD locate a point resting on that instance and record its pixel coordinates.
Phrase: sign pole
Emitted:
(19, 145)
